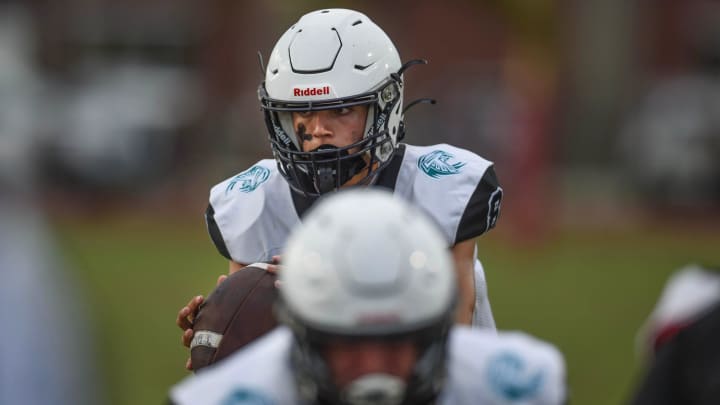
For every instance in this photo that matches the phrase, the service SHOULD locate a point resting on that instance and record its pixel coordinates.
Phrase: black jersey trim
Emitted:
(215, 233)
(482, 210)
(388, 177)
(301, 202)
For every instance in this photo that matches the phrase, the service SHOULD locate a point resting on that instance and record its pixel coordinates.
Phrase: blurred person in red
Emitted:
(333, 104)
(368, 299)
(681, 336)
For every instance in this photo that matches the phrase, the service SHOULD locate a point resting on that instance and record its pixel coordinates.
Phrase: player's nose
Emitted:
(373, 359)
(318, 126)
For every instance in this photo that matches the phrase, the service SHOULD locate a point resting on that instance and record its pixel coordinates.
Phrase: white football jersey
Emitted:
(505, 368)
(251, 214)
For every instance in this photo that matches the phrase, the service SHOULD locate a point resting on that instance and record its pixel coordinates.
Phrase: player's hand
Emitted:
(186, 316)
(274, 264)
(274, 267)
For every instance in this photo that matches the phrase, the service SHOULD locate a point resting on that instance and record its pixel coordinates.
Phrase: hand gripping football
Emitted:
(237, 312)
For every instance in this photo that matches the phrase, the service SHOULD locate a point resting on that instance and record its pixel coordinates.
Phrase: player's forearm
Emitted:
(463, 256)
(466, 304)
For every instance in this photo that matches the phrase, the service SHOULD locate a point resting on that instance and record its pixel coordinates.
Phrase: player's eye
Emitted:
(342, 111)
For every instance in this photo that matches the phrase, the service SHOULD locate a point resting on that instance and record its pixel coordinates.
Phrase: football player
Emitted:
(367, 301)
(333, 104)
(681, 336)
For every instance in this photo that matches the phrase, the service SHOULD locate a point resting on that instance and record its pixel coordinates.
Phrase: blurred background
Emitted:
(116, 117)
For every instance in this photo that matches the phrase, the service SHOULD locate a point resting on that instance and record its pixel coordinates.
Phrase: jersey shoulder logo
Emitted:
(244, 396)
(439, 163)
(510, 378)
(249, 180)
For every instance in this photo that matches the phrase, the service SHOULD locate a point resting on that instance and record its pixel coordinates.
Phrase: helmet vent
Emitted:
(358, 22)
(325, 11)
(363, 67)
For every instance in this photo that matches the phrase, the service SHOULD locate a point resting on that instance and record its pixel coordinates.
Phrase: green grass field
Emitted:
(587, 291)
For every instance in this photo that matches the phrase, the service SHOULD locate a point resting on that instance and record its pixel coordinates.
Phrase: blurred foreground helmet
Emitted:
(365, 265)
(330, 59)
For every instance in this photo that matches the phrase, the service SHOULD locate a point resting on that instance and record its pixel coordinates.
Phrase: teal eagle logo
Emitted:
(510, 378)
(249, 180)
(437, 164)
(245, 396)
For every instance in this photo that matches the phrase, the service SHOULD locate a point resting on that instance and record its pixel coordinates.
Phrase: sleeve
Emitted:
(483, 209)
(525, 369)
(240, 222)
(455, 187)
(214, 232)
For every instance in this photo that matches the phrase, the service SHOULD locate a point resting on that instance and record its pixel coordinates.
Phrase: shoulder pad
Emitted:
(509, 367)
(456, 187)
(236, 208)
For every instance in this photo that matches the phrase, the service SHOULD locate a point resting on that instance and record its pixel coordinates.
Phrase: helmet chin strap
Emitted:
(377, 388)
(326, 176)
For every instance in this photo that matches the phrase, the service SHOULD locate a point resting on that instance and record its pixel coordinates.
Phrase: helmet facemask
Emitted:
(315, 381)
(328, 168)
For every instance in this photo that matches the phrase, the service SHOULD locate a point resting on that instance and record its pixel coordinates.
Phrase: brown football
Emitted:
(237, 312)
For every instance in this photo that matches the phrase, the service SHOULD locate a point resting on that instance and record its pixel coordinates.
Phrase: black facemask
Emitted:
(333, 167)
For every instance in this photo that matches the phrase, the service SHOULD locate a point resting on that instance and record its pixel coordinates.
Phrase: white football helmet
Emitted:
(365, 264)
(330, 59)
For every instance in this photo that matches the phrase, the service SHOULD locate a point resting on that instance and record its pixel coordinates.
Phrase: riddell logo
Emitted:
(311, 91)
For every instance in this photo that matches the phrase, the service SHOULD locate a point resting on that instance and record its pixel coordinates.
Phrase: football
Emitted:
(237, 312)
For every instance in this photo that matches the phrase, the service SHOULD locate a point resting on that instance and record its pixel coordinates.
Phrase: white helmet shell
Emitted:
(364, 262)
(330, 54)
